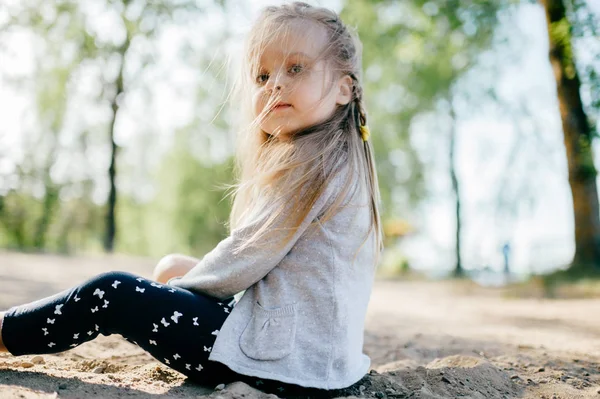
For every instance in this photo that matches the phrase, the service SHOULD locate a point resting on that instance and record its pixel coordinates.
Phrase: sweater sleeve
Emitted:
(221, 273)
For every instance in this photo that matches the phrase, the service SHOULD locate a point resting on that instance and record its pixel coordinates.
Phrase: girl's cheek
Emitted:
(258, 102)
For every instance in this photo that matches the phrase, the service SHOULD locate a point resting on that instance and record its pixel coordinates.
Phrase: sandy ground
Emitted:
(425, 339)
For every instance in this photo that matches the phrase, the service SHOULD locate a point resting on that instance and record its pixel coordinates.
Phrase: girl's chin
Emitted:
(283, 136)
(277, 131)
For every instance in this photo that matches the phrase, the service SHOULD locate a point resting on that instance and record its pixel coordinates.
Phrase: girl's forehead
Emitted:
(304, 40)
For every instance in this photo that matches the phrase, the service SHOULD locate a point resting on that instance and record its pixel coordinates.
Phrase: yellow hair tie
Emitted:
(365, 133)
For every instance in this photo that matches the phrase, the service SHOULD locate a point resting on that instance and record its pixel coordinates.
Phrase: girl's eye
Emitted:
(262, 78)
(296, 68)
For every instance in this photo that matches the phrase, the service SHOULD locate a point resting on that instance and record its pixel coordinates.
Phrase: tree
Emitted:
(120, 54)
(578, 135)
(145, 23)
(458, 266)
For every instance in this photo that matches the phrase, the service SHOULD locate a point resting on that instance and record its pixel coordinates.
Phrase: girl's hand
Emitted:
(173, 265)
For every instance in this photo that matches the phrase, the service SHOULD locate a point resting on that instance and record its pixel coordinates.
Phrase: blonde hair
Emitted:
(269, 169)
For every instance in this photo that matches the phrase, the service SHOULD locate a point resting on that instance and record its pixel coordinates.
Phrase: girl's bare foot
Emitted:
(2, 347)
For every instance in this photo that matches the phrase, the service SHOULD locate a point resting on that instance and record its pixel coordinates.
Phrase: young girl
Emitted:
(304, 242)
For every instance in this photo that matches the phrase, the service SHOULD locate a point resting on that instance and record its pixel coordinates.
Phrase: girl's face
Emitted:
(293, 88)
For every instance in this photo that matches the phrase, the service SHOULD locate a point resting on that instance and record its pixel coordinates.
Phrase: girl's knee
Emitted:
(108, 278)
(172, 265)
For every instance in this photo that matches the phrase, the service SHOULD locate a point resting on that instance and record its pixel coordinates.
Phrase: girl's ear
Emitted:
(344, 95)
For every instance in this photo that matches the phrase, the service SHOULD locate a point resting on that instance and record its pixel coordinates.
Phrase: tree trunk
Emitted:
(111, 225)
(577, 138)
(49, 206)
(458, 268)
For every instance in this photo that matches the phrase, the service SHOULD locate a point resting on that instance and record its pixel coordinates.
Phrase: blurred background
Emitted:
(115, 129)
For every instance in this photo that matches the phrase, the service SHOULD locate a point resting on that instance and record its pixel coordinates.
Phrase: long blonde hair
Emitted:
(276, 174)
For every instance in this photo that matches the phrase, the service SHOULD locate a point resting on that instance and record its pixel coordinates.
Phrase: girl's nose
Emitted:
(276, 83)
(274, 87)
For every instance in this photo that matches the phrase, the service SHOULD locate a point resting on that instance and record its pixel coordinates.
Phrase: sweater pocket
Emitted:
(270, 333)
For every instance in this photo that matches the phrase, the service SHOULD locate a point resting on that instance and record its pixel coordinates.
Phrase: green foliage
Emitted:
(45, 213)
(585, 29)
(73, 227)
(19, 215)
(561, 35)
(188, 213)
(414, 53)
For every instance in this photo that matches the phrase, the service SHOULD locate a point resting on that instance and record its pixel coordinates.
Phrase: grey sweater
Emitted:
(301, 317)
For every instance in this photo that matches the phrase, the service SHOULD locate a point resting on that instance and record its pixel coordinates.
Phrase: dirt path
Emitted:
(425, 339)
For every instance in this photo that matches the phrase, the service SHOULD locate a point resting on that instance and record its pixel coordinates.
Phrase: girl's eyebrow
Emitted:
(300, 53)
(297, 53)
(294, 54)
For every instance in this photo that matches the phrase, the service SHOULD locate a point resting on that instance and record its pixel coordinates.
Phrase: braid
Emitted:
(362, 114)
(357, 98)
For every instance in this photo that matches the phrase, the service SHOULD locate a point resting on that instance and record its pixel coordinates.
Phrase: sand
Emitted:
(425, 339)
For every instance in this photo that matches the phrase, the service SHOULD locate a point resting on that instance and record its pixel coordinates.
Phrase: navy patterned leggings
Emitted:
(174, 325)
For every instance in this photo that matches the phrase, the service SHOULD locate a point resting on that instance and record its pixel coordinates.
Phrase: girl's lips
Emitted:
(279, 107)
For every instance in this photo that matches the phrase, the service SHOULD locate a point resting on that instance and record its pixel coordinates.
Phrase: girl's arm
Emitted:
(222, 274)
